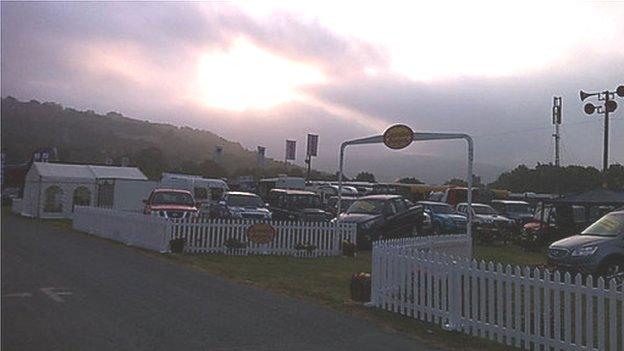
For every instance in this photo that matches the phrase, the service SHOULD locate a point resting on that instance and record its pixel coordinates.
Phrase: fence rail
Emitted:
(209, 235)
(522, 307)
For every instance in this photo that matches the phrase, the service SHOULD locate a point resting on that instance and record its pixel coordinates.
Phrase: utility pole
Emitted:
(556, 112)
(605, 146)
(609, 106)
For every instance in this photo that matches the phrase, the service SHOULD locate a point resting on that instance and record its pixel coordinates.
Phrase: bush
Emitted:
(307, 247)
(233, 244)
(349, 249)
(177, 245)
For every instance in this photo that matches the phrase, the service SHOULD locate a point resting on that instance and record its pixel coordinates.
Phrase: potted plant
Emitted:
(349, 249)
(177, 245)
(305, 250)
(235, 247)
(361, 287)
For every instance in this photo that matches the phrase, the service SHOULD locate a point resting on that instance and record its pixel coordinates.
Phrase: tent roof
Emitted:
(92, 172)
(592, 197)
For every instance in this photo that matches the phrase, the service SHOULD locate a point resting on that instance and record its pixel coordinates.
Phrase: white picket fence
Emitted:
(521, 307)
(130, 228)
(209, 235)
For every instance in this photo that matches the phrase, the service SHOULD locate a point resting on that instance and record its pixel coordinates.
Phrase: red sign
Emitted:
(261, 233)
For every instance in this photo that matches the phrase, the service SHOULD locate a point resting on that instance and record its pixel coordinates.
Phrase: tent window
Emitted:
(82, 197)
(106, 191)
(53, 199)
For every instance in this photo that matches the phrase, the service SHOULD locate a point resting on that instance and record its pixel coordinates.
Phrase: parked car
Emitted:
(551, 223)
(296, 205)
(444, 218)
(597, 250)
(332, 204)
(518, 211)
(383, 217)
(171, 203)
(489, 225)
(207, 192)
(241, 205)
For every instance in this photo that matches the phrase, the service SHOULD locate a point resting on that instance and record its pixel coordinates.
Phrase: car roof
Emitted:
(380, 197)
(170, 190)
(293, 192)
(242, 193)
(511, 202)
(473, 204)
(432, 203)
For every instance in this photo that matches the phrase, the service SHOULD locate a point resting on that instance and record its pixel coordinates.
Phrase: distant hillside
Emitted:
(86, 137)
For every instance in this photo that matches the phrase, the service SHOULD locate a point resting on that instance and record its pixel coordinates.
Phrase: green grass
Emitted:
(509, 254)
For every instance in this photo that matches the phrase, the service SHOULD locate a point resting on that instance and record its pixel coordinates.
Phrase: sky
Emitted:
(261, 72)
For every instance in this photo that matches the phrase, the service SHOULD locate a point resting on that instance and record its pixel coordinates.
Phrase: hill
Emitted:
(87, 137)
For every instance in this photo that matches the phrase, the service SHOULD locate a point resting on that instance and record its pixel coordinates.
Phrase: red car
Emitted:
(171, 203)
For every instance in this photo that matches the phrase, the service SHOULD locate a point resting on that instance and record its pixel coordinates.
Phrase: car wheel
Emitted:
(613, 269)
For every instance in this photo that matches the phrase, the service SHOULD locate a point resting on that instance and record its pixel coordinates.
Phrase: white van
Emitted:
(205, 190)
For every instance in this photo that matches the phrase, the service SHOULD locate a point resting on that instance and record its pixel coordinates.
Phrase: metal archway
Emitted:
(379, 139)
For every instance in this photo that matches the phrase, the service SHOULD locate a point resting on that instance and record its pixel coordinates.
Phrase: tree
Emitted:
(151, 162)
(365, 177)
(476, 182)
(410, 180)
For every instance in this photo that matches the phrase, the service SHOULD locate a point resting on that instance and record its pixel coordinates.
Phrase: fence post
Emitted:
(454, 294)
(375, 272)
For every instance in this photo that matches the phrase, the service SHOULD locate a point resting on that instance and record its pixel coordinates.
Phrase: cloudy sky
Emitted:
(262, 72)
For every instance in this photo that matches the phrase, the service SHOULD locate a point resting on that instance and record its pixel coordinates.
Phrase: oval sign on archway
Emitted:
(261, 233)
(398, 136)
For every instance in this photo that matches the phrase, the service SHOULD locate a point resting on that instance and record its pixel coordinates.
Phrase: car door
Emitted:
(389, 227)
(405, 219)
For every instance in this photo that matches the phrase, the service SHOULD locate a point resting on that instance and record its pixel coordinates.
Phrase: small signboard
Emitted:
(261, 233)
(291, 149)
(398, 136)
(312, 145)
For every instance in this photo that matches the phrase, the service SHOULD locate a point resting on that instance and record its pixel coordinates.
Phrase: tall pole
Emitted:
(605, 148)
(557, 121)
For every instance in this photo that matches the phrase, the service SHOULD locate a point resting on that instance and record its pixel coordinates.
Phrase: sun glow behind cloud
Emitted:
(245, 76)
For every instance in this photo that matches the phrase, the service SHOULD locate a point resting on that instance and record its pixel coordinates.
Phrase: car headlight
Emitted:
(584, 251)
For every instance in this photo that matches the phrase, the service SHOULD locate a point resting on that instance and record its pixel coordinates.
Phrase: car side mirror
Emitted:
(198, 204)
(145, 201)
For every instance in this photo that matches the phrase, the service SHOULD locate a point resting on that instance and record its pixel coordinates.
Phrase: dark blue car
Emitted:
(444, 218)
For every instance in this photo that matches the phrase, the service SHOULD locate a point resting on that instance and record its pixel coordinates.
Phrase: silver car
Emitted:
(598, 250)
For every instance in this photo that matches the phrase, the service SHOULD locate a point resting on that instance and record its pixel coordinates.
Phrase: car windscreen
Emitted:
(518, 208)
(303, 201)
(483, 210)
(441, 209)
(609, 225)
(366, 206)
(173, 198)
(244, 201)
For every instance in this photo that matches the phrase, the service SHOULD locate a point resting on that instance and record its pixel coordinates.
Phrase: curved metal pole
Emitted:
(417, 137)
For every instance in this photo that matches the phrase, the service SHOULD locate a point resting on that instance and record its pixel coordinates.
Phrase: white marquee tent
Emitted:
(51, 190)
